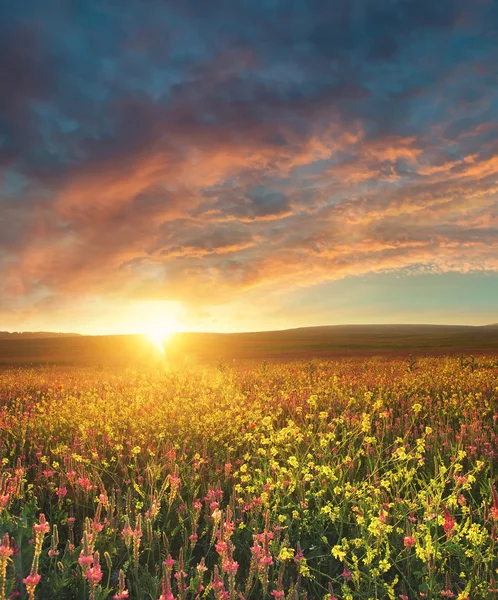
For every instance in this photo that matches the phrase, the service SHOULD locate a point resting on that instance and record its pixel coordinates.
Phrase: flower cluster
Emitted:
(345, 479)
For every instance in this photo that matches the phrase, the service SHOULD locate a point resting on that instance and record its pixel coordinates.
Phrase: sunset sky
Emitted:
(234, 165)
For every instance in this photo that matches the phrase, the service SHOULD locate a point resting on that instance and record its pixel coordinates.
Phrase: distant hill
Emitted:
(285, 345)
(28, 335)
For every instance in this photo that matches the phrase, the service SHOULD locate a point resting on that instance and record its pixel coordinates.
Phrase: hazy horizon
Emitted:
(311, 326)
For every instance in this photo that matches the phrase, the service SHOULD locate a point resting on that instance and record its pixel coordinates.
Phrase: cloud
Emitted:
(194, 154)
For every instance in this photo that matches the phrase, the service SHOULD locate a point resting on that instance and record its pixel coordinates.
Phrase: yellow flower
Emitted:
(338, 553)
(285, 553)
(292, 460)
(384, 565)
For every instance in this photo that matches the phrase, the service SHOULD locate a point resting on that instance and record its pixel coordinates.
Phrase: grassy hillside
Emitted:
(14, 335)
(84, 350)
(309, 342)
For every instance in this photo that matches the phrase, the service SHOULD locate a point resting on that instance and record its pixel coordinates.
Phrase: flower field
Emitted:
(347, 479)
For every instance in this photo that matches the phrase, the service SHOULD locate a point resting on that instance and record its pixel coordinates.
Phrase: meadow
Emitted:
(334, 479)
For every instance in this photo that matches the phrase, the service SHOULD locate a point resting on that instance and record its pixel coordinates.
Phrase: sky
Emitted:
(242, 165)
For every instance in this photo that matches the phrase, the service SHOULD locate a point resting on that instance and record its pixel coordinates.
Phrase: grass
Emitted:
(323, 342)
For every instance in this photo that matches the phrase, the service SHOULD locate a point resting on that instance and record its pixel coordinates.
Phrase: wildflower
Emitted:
(494, 509)
(175, 483)
(5, 553)
(127, 533)
(449, 521)
(231, 567)
(94, 574)
(338, 552)
(216, 515)
(285, 553)
(39, 530)
(31, 581)
(85, 560)
(137, 536)
(221, 547)
(42, 526)
(61, 492)
(5, 550)
(409, 541)
(85, 484)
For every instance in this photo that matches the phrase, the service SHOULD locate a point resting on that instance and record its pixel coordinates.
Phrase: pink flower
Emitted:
(408, 541)
(61, 492)
(42, 526)
(84, 560)
(127, 533)
(85, 483)
(231, 567)
(122, 592)
(494, 509)
(32, 580)
(94, 574)
(221, 547)
(5, 550)
(449, 521)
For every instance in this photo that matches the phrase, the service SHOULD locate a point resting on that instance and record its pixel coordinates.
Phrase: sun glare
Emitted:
(160, 335)
(159, 322)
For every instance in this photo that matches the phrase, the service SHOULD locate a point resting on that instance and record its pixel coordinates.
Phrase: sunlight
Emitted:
(158, 322)
(160, 336)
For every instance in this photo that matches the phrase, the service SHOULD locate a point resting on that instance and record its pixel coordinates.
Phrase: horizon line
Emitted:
(301, 327)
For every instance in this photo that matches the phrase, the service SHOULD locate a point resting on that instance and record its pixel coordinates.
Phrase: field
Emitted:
(282, 346)
(352, 478)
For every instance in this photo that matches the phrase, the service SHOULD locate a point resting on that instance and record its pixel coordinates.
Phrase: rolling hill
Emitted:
(26, 335)
(306, 342)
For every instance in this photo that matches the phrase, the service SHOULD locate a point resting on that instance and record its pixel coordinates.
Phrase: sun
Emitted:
(160, 337)
(158, 322)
